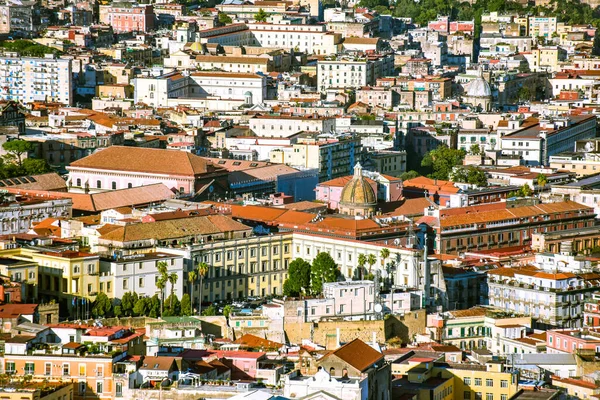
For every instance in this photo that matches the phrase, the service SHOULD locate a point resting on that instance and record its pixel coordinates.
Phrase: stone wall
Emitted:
(325, 333)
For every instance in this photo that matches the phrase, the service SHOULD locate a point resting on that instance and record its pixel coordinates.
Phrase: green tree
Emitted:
(362, 261)
(371, 260)
(117, 311)
(524, 94)
(16, 149)
(596, 46)
(227, 310)
(475, 150)
(128, 303)
(186, 305)
(384, 254)
(525, 191)
(173, 277)
(470, 174)
(174, 308)
(542, 180)
(192, 278)
(323, 270)
(224, 19)
(141, 307)
(442, 160)
(34, 166)
(155, 305)
(261, 16)
(102, 305)
(409, 175)
(298, 278)
(202, 271)
(161, 283)
(210, 311)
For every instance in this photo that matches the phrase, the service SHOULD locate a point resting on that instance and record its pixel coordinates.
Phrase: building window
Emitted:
(82, 388)
(98, 387)
(467, 395)
(81, 369)
(503, 384)
(489, 382)
(99, 184)
(66, 368)
(489, 396)
(477, 381)
(467, 381)
(10, 367)
(114, 185)
(29, 368)
(48, 369)
(78, 182)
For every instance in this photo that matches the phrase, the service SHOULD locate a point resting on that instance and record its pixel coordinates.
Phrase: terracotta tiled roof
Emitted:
(431, 185)
(412, 207)
(255, 342)
(358, 354)
(176, 228)
(157, 363)
(471, 312)
(342, 181)
(145, 160)
(15, 310)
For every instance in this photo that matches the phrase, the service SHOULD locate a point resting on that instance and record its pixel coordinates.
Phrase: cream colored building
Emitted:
(237, 64)
(64, 275)
(238, 268)
(545, 58)
(311, 39)
(346, 252)
(285, 126)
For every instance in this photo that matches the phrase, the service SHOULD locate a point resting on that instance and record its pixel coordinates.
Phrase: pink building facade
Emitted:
(137, 18)
(330, 192)
(591, 311)
(561, 341)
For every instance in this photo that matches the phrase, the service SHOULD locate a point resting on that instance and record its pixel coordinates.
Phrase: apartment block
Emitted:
(281, 126)
(333, 157)
(29, 79)
(165, 90)
(498, 225)
(137, 273)
(539, 139)
(553, 294)
(128, 17)
(352, 73)
(239, 268)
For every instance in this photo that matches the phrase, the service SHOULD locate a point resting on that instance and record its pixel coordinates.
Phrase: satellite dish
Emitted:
(378, 308)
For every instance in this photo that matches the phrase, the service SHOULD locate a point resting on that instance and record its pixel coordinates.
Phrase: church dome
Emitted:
(358, 192)
(479, 87)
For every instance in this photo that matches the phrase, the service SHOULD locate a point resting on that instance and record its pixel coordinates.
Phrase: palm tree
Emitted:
(192, 277)
(202, 271)
(371, 260)
(173, 277)
(161, 283)
(362, 260)
(542, 180)
(384, 254)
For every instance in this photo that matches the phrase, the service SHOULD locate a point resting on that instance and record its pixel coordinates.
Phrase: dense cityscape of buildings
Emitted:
(299, 200)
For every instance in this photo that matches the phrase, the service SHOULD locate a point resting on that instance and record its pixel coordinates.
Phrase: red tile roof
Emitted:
(358, 354)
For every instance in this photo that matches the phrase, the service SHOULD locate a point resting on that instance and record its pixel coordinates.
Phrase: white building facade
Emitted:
(28, 79)
(137, 273)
